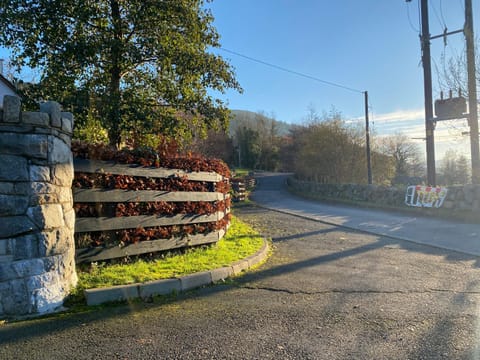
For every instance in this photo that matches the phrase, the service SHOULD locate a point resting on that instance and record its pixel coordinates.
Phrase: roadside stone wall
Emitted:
(382, 195)
(464, 198)
(37, 267)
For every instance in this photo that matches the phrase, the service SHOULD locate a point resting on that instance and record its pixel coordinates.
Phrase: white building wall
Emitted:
(5, 90)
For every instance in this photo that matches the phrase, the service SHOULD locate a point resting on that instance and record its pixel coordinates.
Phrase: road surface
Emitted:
(327, 292)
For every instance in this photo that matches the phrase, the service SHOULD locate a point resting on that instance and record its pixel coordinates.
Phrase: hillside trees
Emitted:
(257, 140)
(142, 66)
(327, 150)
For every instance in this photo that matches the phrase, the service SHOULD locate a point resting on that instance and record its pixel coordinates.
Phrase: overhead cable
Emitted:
(292, 71)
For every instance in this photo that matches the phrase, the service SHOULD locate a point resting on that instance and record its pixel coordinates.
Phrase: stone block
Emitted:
(4, 247)
(448, 204)
(15, 299)
(27, 268)
(11, 226)
(39, 173)
(58, 151)
(6, 272)
(239, 266)
(116, 293)
(13, 168)
(49, 297)
(12, 205)
(11, 109)
(42, 199)
(195, 280)
(48, 216)
(39, 187)
(53, 109)
(54, 242)
(259, 256)
(35, 118)
(67, 139)
(221, 273)
(30, 145)
(67, 122)
(70, 219)
(65, 195)
(160, 287)
(22, 188)
(26, 247)
(52, 263)
(7, 188)
(62, 174)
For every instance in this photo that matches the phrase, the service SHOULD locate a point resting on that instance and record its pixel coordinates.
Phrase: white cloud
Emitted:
(448, 134)
(399, 115)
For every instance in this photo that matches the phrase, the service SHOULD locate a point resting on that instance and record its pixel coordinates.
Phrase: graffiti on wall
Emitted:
(425, 196)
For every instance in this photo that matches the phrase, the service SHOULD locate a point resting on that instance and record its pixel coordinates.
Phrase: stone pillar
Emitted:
(37, 265)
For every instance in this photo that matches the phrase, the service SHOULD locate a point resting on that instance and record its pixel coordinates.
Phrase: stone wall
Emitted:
(376, 194)
(37, 267)
(460, 198)
(463, 198)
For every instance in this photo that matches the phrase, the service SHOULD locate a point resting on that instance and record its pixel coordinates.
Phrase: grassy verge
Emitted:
(239, 242)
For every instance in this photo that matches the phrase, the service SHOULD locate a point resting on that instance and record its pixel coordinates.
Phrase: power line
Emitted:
(292, 71)
(417, 31)
(441, 20)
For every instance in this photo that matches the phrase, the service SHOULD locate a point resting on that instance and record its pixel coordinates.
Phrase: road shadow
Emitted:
(16, 333)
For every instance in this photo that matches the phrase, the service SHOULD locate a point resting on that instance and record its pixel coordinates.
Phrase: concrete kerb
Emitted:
(167, 286)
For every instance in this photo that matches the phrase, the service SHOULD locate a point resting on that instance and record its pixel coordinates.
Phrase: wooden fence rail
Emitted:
(85, 225)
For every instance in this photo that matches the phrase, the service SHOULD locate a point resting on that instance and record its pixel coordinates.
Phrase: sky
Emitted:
(367, 45)
(361, 45)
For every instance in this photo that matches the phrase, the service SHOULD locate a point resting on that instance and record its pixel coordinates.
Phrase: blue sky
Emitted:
(368, 45)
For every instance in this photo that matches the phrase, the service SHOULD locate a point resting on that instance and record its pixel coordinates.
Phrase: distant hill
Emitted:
(251, 118)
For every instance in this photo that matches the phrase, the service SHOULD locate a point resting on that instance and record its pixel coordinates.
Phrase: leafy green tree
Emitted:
(145, 65)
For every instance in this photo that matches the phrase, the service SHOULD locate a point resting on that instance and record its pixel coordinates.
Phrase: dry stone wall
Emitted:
(382, 195)
(37, 267)
(460, 198)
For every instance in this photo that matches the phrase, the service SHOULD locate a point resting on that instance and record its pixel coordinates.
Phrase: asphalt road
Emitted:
(326, 293)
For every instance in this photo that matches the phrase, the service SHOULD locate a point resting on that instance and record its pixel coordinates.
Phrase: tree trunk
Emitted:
(114, 101)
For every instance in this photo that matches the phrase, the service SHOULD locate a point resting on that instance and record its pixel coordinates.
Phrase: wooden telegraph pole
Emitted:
(427, 83)
(367, 134)
(472, 93)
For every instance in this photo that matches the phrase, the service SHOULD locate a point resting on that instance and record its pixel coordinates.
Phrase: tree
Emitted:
(256, 137)
(405, 154)
(328, 150)
(452, 72)
(455, 168)
(145, 64)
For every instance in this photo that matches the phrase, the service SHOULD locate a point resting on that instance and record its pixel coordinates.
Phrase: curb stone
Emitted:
(167, 286)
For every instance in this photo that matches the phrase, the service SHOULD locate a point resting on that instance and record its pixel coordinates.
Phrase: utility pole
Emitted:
(427, 84)
(472, 93)
(367, 133)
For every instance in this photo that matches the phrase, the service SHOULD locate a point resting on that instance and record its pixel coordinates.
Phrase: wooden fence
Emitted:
(240, 186)
(100, 196)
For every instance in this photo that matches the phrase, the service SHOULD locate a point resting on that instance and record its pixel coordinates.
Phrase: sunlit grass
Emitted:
(241, 172)
(240, 241)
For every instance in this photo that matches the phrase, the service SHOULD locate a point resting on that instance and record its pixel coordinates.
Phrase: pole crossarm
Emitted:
(447, 34)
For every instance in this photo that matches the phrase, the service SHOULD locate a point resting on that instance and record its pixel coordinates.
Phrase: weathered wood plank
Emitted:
(97, 166)
(116, 195)
(144, 247)
(133, 222)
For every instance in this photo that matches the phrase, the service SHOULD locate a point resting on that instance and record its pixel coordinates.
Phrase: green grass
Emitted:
(239, 242)
(241, 172)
